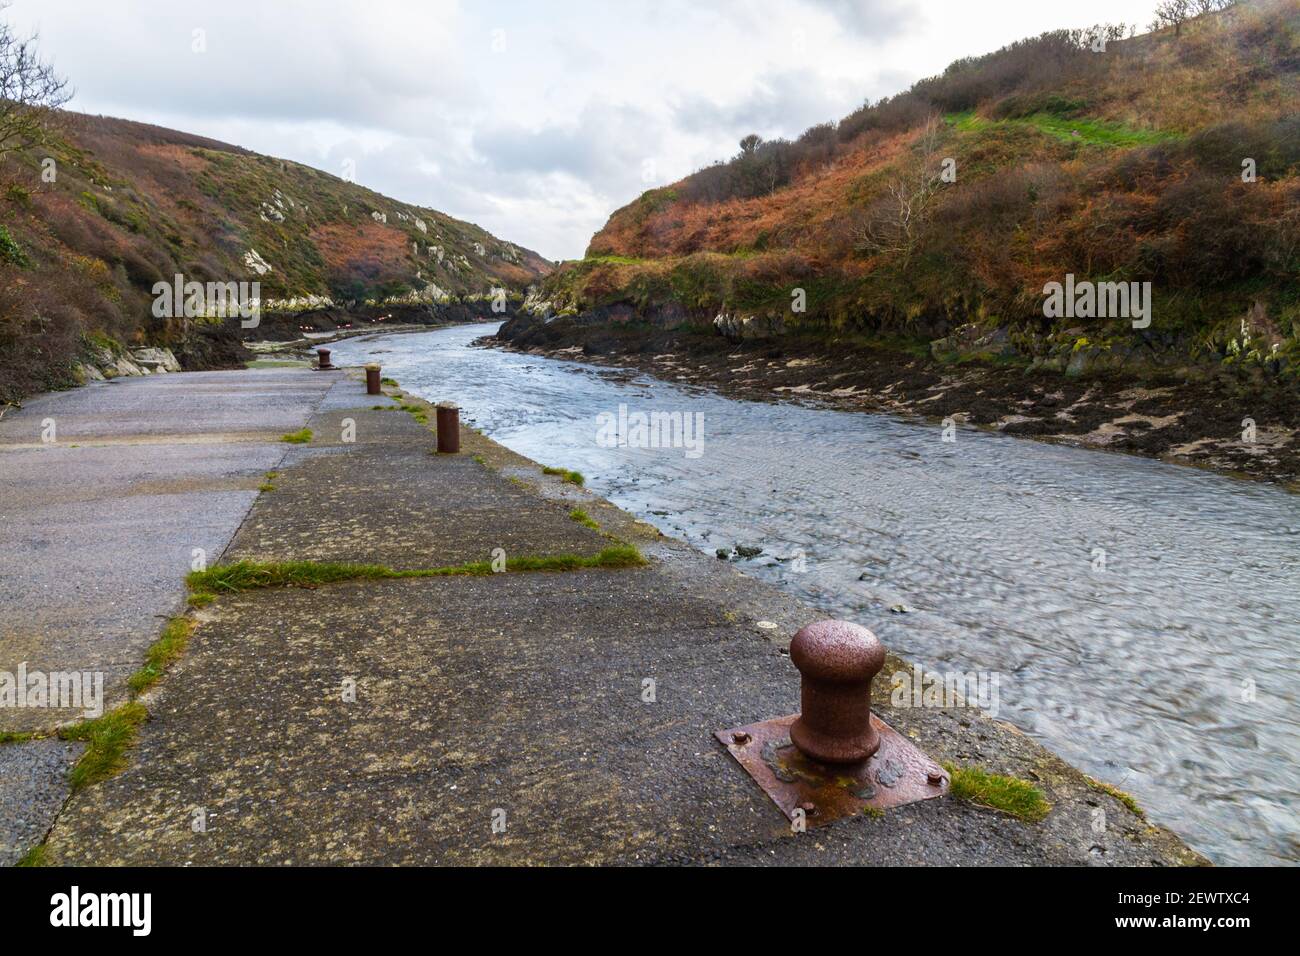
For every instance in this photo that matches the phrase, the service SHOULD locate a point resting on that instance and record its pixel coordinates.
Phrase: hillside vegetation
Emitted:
(1130, 163)
(105, 208)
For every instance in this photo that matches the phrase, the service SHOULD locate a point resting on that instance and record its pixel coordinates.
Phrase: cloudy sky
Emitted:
(533, 118)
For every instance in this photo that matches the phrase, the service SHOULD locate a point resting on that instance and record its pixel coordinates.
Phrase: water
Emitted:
(1141, 619)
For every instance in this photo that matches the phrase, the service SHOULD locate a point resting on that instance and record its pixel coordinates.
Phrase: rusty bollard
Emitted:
(323, 357)
(374, 384)
(838, 661)
(448, 428)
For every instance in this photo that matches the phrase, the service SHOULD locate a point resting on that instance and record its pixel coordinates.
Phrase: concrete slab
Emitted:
(98, 529)
(432, 513)
(33, 786)
(386, 499)
(261, 402)
(522, 694)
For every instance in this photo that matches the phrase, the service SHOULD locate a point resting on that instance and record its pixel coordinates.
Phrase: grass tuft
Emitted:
(1009, 795)
(162, 654)
(580, 516)
(11, 737)
(571, 477)
(298, 438)
(109, 737)
(253, 576)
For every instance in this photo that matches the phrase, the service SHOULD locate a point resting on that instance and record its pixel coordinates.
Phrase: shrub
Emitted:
(10, 251)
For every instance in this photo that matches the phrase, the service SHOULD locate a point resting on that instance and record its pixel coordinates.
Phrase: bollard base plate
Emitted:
(897, 775)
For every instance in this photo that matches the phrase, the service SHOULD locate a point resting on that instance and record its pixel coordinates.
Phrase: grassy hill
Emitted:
(132, 204)
(1117, 165)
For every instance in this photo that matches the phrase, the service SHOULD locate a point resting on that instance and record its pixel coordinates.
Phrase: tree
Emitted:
(30, 91)
(894, 222)
(750, 143)
(1172, 13)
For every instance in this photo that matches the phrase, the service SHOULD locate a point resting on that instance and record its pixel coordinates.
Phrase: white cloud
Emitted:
(533, 119)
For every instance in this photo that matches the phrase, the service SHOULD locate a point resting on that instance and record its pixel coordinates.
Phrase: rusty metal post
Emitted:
(323, 355)
(374, 384)
(448, 428)
(838, 661)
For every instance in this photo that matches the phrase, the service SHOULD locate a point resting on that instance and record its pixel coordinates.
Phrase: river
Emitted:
(1141, 619)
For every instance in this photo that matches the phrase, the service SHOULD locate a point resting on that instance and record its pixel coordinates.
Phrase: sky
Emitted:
(535, 120)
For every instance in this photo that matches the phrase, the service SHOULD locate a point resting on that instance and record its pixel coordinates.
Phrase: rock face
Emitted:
(156, 360)
(106, 363)
(971, 342)
(740, 328)
(206, 347)
(535, 327)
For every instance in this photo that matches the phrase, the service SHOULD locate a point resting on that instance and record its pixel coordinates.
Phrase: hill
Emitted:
(917, 255)
(92, 220)
(942, 213)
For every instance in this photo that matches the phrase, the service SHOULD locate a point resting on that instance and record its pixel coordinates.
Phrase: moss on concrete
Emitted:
(1112, 791)
(33, 857)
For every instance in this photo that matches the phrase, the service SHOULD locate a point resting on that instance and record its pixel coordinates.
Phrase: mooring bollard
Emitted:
(448, 428)
(374, 384)
(837, 758)
(323, 356)
(838, 661)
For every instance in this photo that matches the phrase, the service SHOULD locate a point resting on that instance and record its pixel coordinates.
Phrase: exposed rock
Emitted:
(113, 365)
(255, 262)
(972, 342)
(739, 328)
(156, 360)
(83, 372)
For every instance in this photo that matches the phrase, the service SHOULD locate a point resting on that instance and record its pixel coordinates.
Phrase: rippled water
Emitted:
(1142, 618)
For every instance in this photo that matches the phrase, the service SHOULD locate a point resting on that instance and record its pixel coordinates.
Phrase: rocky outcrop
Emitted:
(156, 361)
(742, 328)
(104, 363)
(972, 342)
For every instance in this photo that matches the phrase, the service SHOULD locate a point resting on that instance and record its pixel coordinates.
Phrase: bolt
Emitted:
(809, 808)
(740, 738)
(837, 661)
(373, 381)
(448, 428)
(934, 778)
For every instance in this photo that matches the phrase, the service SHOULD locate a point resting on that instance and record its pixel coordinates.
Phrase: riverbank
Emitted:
(503, 718)
(1247, 426)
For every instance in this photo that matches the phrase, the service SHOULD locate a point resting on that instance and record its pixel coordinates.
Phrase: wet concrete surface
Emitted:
(33, 786)
(99, 527)
(326, 506)
(397, 722)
